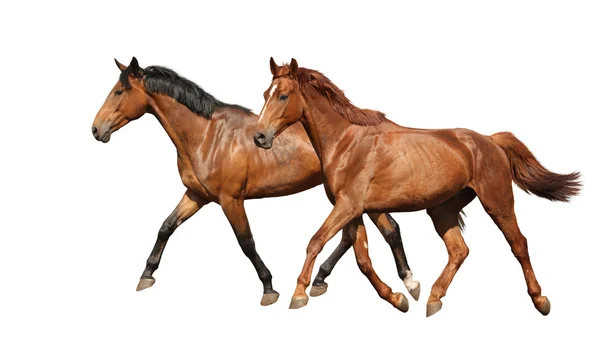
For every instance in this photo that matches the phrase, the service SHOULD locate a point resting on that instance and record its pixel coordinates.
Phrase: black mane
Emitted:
(161, 80)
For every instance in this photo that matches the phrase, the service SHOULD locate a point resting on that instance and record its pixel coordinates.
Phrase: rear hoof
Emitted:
(433, 308)
(544, 307)
(269, 298)
(145, 283)
(402, 303)
(299, 302)
(318, 290)
(416, 291)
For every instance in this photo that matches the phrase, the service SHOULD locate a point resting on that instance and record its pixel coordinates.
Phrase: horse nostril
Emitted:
(94, 131)
(260, 138)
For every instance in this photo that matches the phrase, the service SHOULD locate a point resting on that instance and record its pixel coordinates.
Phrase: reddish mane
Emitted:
(308, 78)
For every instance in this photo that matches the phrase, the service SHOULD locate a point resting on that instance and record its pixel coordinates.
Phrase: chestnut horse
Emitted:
(374, 165)
(219, 163)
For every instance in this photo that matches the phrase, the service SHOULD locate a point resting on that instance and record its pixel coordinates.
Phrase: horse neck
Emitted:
(324, 126)
(183, 126)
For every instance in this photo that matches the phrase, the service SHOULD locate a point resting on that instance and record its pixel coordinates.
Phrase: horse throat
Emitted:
(178, 122)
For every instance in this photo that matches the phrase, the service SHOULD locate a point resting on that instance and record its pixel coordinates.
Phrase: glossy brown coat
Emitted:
(218, 162)
(374, 165)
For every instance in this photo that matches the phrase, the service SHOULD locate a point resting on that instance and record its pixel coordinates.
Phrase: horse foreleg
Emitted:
(189, 204)
(319, 285)
(391, 233)
(343, 212)
(236, 214)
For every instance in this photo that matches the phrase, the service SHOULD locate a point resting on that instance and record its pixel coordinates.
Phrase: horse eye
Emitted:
(283, 97)
(119, 92)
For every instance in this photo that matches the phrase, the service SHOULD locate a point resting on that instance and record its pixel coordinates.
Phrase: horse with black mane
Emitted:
(218, 162)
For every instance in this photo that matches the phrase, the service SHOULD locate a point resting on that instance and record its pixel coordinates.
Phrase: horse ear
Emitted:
(120, 66)
(273, 66)
(136, 71)
(294, 68)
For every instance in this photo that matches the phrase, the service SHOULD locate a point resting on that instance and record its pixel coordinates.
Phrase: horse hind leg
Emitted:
(446, 220)
(498, 202)
(391, 233)
(357, 228)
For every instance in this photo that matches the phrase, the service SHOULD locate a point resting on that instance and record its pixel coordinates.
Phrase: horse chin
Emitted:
(268, 145)
(106, 137)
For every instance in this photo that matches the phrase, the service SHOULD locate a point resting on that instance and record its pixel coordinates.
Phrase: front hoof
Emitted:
(318, 290)
(269, 298)
(433, 308)
(401, 302)
(299, 302)
(145, 283)
(543, 306)
(415, 292)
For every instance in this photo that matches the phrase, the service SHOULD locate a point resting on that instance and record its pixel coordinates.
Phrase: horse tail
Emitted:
(531, 176)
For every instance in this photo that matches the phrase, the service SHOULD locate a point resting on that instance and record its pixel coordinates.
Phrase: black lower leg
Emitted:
(248, 247)
(190, 204)
(329, 264)
(166, 230)
(393, 238)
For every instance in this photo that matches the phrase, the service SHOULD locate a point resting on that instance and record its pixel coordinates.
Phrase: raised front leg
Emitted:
(391, 233)
(236, 214)
(189, 204)
(343, 212)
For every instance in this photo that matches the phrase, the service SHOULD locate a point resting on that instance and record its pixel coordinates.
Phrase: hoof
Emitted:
(433, 308)
(544, 308)
(402, 304)
(145, 283)
(318, 290)
(416, 291)
(299, 302)
(269, 298)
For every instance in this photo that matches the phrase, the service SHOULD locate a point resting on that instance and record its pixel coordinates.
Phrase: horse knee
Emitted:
(166, 230)
(314, 247)
(459, 255)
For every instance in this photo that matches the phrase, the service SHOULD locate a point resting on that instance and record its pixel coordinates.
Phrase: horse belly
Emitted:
(284, 170)
(403, 188)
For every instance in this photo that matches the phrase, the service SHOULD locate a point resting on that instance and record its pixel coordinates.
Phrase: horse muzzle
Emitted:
(101, 133)
(263, 139)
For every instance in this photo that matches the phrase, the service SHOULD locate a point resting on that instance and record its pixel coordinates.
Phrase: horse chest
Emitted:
(192, 181)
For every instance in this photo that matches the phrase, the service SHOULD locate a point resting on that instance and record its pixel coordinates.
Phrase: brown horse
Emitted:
(374, 165)
(219, 163)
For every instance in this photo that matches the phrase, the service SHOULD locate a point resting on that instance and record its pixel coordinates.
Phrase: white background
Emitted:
(79, 218)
